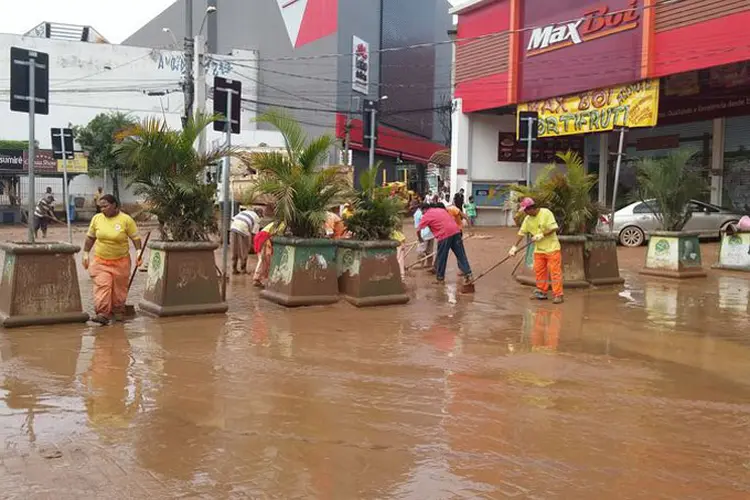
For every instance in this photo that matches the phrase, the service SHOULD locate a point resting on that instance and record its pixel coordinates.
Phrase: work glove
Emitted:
(138, 261)
(85, 260)
(537, 237)
(513, 251)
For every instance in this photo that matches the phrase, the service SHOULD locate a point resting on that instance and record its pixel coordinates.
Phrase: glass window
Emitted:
(643, 208)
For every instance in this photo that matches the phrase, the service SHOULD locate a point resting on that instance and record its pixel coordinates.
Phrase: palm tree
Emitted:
(377, 214)
(168, 172)
(567, 194)
(302, 190)
(669, 184)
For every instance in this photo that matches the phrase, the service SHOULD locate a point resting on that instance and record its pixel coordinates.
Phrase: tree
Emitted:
(169, 173)
(377, 212)
(302, 190)
(98, 139)
(8, 144)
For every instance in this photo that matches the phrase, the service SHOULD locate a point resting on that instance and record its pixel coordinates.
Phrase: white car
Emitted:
(634, 222)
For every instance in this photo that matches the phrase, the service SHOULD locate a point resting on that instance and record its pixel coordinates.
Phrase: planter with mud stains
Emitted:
(369, 274)
(674, 255)
(182, 279)
(40, 285)
(600, 260)
(302, 273)
(734, 251)
(573, 264)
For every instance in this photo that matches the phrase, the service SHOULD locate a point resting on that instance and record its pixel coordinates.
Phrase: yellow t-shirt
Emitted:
(112, 235)
(541, 223)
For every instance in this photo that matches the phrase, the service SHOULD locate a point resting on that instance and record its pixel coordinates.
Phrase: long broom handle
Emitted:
(502, 261)
(140, 256)
(427, 257)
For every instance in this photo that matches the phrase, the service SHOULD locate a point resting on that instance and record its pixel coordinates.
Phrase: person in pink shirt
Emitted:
(448, 236)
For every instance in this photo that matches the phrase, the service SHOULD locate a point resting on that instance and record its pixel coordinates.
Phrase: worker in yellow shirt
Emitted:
(110, 233)
(541, 225)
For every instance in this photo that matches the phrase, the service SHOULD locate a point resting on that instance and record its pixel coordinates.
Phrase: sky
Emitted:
(114, 19)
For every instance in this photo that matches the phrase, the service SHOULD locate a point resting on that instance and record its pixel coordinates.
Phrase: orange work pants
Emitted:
(110, 284)
(548, 268)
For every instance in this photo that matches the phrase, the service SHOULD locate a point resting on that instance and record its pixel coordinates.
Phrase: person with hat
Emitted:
(541, 226)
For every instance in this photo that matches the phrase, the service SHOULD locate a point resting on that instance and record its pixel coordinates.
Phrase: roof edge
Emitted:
(468, 6)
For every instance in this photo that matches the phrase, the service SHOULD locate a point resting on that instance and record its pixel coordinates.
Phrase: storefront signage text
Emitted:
(595, 23)
(631, 105)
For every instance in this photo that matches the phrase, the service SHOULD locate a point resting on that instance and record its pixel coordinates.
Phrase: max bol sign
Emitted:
(595, 23)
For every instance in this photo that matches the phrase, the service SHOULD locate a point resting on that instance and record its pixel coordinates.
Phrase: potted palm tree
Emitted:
(303, 263)
(168, 172)
(368, 269)
(587, 258)
(667, 185)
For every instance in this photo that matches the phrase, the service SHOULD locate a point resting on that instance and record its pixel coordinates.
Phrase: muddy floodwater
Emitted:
(633, 392)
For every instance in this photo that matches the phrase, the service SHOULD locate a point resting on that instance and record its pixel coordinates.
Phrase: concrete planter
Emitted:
(303, 272)
(734, 252)
(182, 279)
(600, 260)
(574, 270)
(40, 285)
(368, 273)
(674, 255)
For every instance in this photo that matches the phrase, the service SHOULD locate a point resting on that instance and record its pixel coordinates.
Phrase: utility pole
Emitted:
(189, 51)
(200, 87)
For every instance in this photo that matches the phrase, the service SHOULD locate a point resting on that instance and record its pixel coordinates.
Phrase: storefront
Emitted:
(589, 76)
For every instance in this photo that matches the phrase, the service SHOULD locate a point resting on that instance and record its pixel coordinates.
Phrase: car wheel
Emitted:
(632, 236)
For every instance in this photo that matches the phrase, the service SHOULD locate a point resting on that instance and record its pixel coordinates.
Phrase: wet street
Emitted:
(634, 392)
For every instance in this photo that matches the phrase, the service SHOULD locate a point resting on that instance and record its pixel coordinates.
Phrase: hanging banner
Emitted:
(361, 66)
(78, 165)
(631, 105)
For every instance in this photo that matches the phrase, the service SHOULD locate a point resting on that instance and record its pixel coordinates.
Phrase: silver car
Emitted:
(634, 222)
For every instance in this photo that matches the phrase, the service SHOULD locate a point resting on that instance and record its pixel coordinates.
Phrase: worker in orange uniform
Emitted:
(541, 225)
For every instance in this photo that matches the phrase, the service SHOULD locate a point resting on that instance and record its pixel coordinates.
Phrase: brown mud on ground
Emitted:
(637, 392)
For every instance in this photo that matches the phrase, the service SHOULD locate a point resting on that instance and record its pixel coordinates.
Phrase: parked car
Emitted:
(634, 222)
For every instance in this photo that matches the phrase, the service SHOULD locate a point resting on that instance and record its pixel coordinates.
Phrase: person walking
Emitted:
(449, 238)
(470, 209)
(458, 199)
(245, 225)
(426, 245)
(109, 234)
(541, 226)
(43, 213)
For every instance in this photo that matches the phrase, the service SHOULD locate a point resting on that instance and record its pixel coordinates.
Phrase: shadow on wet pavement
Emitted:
(640, 391)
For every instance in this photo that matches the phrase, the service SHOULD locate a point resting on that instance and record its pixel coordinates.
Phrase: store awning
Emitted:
(441, 158)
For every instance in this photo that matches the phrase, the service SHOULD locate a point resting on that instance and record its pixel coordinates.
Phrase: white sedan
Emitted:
(634, 222)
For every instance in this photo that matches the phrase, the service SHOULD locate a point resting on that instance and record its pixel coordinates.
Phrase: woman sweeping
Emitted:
(108, 234)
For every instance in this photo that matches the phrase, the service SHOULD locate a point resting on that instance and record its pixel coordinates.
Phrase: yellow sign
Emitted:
(631, 105)
(78, 165)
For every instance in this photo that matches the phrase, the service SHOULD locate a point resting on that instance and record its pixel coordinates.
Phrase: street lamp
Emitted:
(200, 75)
(171, 34)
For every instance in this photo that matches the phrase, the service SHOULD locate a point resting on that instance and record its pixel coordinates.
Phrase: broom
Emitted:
(129, 308)
(469, 287)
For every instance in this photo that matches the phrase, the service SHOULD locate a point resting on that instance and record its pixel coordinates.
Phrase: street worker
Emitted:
(334, 227)
(449, 238)
(43, 213)
(347, 211)
(426, 246)
(458, 215)
(541, 226)
(264, 250)
(245, 225)
(111, 231)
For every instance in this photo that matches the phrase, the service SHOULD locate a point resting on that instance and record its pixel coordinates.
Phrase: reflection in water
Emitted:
(661, 303)
(734, 293)
(112, 391)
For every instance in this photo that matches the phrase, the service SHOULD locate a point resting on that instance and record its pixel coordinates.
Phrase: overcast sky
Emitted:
(113, 19)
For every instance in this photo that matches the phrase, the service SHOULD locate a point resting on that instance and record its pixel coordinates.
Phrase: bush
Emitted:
(376, 212)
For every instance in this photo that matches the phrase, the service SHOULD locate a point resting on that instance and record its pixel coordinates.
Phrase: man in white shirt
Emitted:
(244, 227)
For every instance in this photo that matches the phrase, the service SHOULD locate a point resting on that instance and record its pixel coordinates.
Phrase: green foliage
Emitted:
(7, 144)
(302, 190)
(566, 194)
(671, 183)
(99, 138)
(376, 213)
(169, 173)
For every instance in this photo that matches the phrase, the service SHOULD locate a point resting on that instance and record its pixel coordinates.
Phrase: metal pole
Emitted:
(65, 188)
(225, 202)
(530, 122)
(617, 180)
(372, 137)
(348, 129)
(32, 112)
(200, 87)
(189, 50)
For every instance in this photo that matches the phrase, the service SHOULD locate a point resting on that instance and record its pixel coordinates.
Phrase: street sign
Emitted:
(223, 88)
(528, 119)
(20, 88)
(62, 143)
